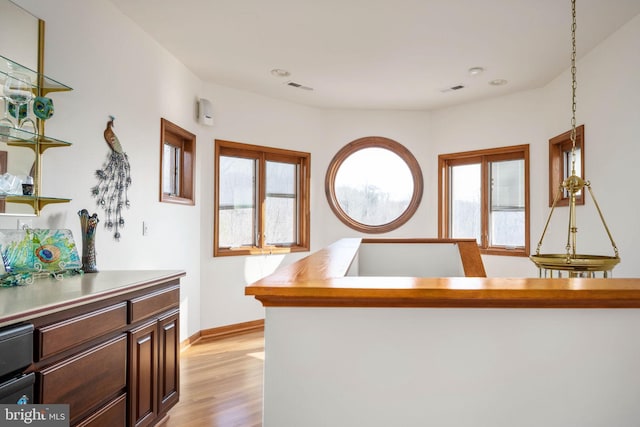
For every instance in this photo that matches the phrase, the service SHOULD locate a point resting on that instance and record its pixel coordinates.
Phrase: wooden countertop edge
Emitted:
(453, 303)
(320, 280)
(75, 302)
(448, 292)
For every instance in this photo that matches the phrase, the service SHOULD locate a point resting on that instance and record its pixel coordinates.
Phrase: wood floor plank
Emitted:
(221, 383)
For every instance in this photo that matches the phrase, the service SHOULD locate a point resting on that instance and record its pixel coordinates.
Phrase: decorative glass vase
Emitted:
(88, 227)
(17, 95)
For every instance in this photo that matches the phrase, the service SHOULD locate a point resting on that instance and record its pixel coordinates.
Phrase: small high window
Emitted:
(261, 200)
(561, 157)
(177, 164)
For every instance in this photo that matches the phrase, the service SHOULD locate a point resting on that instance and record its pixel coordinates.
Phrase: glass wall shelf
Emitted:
(37, 202)
(19, 131)
(38, 81)
(23, 138)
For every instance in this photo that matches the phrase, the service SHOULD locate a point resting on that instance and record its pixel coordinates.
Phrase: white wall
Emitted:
(253, 119)
(446, 367)
(409, 128)
(117, 69)
(410, 260)
(509, 120)
(607, 104)
(608, 89)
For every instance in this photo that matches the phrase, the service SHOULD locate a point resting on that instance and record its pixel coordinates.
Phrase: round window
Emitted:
(374, 184)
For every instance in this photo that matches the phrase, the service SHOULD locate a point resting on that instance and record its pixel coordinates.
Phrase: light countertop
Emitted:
(49, 295)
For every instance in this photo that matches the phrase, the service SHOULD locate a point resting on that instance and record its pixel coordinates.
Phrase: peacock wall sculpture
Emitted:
(114, 180)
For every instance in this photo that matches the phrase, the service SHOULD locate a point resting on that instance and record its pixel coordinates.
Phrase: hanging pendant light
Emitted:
(571, 263)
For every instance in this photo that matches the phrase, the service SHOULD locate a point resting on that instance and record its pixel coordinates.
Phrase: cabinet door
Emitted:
(168, 361)
(143, 374)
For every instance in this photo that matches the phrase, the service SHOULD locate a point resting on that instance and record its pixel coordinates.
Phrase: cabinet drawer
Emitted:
(113, 414)
(16, 349)
(85, 381)
(13, 390)
(67, 334)
(155, 303)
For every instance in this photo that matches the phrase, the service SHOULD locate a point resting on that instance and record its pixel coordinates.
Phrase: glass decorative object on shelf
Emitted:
(43, 107)
(18, 112)
(5, 122)
(17, 96)
(27, 186)
(17, 87)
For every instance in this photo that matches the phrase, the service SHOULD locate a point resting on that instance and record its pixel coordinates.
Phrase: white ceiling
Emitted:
(377, 54)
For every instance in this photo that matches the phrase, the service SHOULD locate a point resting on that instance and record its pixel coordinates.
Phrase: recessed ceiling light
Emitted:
(498, 82)
(474, 71)
(278, 72)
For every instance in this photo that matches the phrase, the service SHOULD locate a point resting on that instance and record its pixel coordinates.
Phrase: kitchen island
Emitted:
(343, 348)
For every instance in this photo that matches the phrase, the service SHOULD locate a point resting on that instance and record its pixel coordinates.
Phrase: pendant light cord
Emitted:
(574, 85)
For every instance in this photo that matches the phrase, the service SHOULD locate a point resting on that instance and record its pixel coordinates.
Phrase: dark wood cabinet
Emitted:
(112, 414)
(154, 369)
(70, 333)
(154, 356)
(143, 374)
(86, 380)
(169, 355)
(115, 361)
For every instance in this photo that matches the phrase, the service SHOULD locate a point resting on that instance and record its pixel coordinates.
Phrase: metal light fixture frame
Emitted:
(571, 262)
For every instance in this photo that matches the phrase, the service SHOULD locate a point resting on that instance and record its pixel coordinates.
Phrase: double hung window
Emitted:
(484, 195)
(261, 199)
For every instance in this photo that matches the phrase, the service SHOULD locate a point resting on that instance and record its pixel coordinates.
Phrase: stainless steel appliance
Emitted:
(16, 354)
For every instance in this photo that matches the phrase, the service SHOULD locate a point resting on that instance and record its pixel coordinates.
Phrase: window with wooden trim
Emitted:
(560, 164)
(484, 194)
(261, 200)
(374, 184)
(177, 164)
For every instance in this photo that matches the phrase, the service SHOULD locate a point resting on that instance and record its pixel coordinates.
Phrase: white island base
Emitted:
(441, 367)
(345, 349)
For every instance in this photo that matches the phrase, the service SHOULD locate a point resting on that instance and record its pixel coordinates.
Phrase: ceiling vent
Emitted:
(298, 85)
(456, 87)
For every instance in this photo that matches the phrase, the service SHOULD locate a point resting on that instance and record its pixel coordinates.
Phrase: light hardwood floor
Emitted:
(221, 383)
